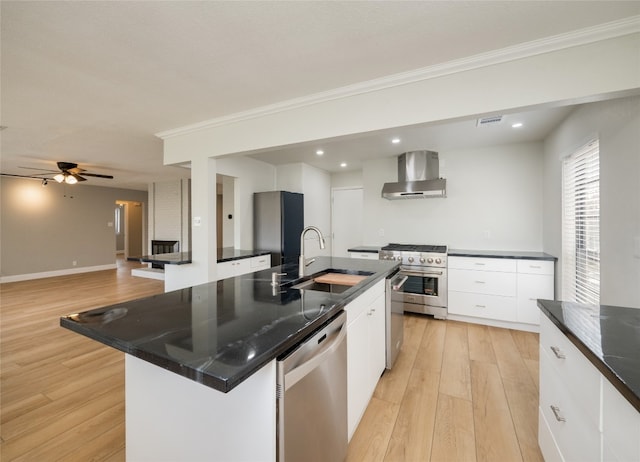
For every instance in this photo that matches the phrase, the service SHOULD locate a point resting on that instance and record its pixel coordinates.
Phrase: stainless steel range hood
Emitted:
(418, 177)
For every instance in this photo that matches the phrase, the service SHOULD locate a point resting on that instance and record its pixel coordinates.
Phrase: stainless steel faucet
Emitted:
(302, 264)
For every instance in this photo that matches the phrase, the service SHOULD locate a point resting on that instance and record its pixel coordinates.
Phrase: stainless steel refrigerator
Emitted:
(278, 221)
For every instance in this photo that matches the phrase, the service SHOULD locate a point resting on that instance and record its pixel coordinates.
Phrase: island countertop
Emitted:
(608, 336)
(220, 333)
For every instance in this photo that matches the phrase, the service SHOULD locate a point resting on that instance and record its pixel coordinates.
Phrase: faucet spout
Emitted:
(302, 262)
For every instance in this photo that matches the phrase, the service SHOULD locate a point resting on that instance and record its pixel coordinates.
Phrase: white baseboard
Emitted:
(50, 274)
(495, 323)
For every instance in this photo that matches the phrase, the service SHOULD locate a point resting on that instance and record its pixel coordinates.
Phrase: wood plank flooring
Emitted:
(458, 392)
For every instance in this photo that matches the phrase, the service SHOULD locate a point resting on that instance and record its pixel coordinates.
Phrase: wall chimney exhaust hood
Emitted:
(418, 177)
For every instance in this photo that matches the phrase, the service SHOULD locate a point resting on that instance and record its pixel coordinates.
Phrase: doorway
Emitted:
(128, 228)
(346, 219)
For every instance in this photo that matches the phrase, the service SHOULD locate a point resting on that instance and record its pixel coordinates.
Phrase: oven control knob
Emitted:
(399, 258)
(410, 259)
(429, 260)
(421, 259)
(438, 261)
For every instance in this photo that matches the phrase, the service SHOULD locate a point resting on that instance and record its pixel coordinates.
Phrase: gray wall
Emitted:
(494, 201)
(48, 228)
(617, 125)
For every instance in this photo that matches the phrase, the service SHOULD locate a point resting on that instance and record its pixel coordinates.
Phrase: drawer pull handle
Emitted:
(479, 264)
(535, 266)
(559, 354)
(556, 412)
(481, 306)
(480, 282)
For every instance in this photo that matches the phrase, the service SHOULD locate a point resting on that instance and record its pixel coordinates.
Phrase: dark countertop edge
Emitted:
(364, 249)
(509, 254)
(245, 254)
(226, 386)
(610, 374)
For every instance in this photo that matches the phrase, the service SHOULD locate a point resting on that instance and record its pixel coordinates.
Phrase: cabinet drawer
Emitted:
(577, 436)
(360, 304)
(261, 262)
(364, 255)
(482, 306)
(575, 371)
(483, 264)
(483, 282)
(535, 266)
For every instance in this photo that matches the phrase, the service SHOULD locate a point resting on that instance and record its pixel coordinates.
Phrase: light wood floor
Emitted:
(458, 392)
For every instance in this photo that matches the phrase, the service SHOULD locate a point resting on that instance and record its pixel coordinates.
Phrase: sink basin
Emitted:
(321, 287)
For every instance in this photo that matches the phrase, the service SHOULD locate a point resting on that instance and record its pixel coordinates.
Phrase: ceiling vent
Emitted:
(492, 120)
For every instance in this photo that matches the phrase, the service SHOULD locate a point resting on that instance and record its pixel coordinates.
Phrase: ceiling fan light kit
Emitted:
(69, 173)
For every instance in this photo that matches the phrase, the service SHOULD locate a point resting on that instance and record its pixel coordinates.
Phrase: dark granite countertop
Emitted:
(364, 248)
(524, 255)
(230, 254)
(609, 337)
(220, 333)
(175, 258)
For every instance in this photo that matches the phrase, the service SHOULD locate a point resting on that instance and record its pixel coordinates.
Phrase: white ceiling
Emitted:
(92, 82)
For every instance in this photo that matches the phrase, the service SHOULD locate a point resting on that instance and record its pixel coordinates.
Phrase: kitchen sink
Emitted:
(321, 287)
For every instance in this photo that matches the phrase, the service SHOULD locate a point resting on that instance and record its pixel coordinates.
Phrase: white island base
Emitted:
(172, 418)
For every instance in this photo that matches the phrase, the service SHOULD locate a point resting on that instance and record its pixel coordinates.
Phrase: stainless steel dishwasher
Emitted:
(312, 397)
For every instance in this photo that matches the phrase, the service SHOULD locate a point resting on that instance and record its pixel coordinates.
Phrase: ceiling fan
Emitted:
(69, 173)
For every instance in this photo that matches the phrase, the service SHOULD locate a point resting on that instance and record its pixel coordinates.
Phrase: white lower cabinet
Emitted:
(499, 289)
(620, 427)
(582, 417)
(229, 269)
(365, 351)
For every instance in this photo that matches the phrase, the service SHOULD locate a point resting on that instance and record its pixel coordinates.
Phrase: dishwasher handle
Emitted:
(295, 375)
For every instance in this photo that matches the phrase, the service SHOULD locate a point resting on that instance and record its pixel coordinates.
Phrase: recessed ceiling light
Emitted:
(344, 164)
(319, 152)
(517, 125)
(395, 140)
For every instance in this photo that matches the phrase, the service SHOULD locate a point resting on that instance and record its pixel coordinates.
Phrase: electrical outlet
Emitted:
(381, 232)
(487, 234)
(74, 263)
(197, 221)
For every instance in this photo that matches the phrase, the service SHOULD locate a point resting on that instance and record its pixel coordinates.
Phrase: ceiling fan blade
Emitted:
(77, 177)
(75, 170)
(97, 175)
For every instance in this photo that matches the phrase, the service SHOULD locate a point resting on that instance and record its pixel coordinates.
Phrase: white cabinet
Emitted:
(620, 427)
(365, 350)
(535, 280)
(569, 399)
(364, 255)
(582, 417)
(501, 289)
(241, 266)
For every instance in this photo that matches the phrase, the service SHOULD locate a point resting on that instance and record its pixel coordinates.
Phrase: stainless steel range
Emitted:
(423, 289)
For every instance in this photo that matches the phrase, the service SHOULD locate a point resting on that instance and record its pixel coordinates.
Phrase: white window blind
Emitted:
(581, 225)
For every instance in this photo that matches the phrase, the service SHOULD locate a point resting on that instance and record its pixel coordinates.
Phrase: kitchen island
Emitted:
(200, 363)
(589, 382)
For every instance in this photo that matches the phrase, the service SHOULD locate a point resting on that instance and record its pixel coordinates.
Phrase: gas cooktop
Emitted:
(416, 248)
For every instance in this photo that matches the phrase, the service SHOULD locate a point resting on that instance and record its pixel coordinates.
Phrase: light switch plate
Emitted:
(197, 221)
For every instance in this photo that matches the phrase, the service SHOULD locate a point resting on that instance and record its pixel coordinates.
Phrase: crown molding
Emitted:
(622, 27)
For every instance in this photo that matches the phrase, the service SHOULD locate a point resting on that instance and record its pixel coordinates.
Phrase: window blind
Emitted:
(581, 225)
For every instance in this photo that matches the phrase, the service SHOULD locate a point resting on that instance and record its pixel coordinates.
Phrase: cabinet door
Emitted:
(225, 270)
(530, 288)
(620, 425)
(377, 346)
(358, 376)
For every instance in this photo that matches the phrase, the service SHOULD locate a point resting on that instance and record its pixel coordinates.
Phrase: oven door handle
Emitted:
(421, 273)
(396, 286)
